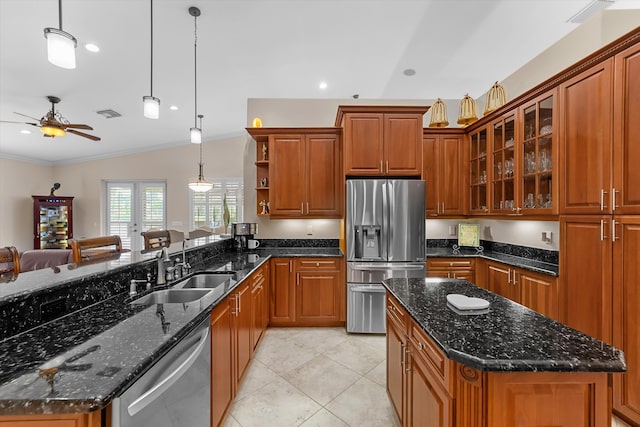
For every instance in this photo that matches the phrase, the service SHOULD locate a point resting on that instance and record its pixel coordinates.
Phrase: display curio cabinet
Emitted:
(504, 196)
(478, 171)
(538, 155)
(53, 222)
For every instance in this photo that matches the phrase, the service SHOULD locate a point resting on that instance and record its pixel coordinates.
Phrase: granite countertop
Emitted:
(515, 261)
(510, 337)
(104, 347)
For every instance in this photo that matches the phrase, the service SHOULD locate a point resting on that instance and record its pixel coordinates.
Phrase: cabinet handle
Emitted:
(514, 278)
(307, 208)
(402, 356)
(302, 208)
(613, 231)
(420, 345)
(297, 279)
(602, 235)
(387, 166)
(380, 166)
(290, 266)
(509, 276)
(407, 363)
(443, 207)
(602, 193)
(613, 198)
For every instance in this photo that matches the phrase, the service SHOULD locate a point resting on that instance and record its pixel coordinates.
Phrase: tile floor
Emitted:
(315, 377)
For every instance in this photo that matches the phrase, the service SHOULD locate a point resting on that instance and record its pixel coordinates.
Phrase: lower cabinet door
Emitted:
(317, 296)
(428, 403)
(244, 346)
(539, 293)
(396, 342)
(282, 300)
(222, 376)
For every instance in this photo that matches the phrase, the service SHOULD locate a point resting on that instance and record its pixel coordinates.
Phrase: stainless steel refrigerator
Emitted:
(385, 238)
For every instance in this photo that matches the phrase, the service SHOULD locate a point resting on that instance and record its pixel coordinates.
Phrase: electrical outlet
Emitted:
(547, 236)
(452, 230)
(309, 230)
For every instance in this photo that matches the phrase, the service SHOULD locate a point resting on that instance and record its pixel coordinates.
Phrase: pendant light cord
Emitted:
(195, 70)
(60, 13)
(151, 71)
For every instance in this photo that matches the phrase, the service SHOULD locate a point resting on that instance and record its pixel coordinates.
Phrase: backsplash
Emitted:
(296, 243)
(542, 255)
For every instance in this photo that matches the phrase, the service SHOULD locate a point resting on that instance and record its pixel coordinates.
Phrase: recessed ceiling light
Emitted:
(173, 108)
(92, 47)
(26, 132)
(322, 85)
(409, 72)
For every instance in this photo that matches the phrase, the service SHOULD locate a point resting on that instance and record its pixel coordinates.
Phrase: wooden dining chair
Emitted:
(9, 260)
(156, 239)
(95, 248)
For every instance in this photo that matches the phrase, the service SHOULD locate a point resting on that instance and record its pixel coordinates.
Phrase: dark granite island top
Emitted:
(510, 337)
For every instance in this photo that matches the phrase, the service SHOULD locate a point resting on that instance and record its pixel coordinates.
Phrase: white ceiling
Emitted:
(251, 49)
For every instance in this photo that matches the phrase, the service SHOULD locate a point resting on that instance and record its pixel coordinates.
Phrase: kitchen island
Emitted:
(99, 341)
(507, 366)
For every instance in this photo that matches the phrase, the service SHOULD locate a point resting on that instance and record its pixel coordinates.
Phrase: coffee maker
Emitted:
(242, 232)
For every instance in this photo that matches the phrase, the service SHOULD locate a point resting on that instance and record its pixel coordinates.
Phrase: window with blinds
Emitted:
(207, 208)
(134, 207)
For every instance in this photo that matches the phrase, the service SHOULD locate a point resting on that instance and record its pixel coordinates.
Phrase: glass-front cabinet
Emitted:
(505, 166)
(478, 170)
(538, 155)
(53, 222)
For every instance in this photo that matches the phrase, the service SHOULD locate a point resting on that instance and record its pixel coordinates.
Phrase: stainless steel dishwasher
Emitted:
(175, 391)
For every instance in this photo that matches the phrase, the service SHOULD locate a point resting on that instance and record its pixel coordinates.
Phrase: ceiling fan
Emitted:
(53, 124)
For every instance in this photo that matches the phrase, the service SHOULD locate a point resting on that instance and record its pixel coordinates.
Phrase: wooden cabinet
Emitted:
(452, 268)
(223, 384)
(443, 164)
(240, 301)
(52, 222)
(537, 291)
(53, 420)
(585, 273)
(298, 172)
(382, 140)
(478, 171)
(307, 292)
(504, 166)
(626, 133)
(586, 105)
(626, 304)
(396, 355)
(259, 304)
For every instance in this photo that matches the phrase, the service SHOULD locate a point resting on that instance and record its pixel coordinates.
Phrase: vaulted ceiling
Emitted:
(251, 49)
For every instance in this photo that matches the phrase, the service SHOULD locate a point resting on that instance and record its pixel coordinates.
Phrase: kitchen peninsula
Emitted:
(504, 366)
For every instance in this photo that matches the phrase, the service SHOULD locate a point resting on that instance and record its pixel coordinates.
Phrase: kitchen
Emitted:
(324, 225)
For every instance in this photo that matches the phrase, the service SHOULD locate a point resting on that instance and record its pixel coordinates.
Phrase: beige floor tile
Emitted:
(276, 404)
(322, 379)
(256, 377)
(377, 341)
(231, 422)
(283, 355)
(379, 374)
(365, 403)
(321, 339)
(324, 418)
(355, 355)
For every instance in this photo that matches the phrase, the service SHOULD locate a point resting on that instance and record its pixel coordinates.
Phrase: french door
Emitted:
(133, 207)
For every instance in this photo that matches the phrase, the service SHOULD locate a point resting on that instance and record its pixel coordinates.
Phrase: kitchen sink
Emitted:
(207, 280)
(168, 296)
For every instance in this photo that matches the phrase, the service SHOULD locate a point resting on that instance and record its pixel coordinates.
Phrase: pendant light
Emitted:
(200, 184)
(438, 115)
(61, 46)
(468, 111)
(151, 105)
(496, 98)
(195, 131)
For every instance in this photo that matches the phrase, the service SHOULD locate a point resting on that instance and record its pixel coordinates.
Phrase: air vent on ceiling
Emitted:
(109, 114)
(589, 10)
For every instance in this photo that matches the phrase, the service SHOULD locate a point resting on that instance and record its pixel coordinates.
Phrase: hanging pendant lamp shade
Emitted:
(496, 98)
(200, 184)
(61, 46)
(468, 111)
(151, 104)
(438, 115)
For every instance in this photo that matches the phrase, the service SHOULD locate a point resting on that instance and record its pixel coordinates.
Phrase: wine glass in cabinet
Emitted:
(505, 167)
(478, 170)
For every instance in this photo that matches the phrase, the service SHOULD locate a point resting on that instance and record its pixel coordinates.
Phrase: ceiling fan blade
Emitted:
(78, 126)
(86, 135)
(20, 114)
(23, 123)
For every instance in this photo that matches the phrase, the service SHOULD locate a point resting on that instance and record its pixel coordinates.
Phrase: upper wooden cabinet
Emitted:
(382, 140)
(301, 173)
(505, 166)
(626, 133)
(478, 171)
(443, 163)
(586, 105)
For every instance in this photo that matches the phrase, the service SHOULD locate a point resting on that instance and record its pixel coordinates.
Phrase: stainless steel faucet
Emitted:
(133, 291)
(163, 257)
(183, 265)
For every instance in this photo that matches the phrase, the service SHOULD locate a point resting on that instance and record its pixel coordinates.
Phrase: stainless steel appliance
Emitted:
(385, 238)
(175, 391)
(242, 232)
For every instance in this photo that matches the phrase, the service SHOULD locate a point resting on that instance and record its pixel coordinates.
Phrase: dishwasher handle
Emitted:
(366, 267)
(160, 387)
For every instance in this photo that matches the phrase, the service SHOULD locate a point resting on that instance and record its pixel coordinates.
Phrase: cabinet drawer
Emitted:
(316, 264)
(396, 313)
(430, 353)
(451, 263)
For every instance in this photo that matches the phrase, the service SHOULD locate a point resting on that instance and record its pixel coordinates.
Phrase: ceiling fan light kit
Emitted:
(151, 104)
(49, 130)
(61, 46)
